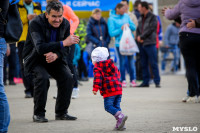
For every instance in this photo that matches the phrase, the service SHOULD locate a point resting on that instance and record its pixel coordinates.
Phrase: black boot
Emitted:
(39, 119)
(65, 117)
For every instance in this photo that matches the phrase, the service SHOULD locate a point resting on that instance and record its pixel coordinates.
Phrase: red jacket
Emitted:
(107, 79)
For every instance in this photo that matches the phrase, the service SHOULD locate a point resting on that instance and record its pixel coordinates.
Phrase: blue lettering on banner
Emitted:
(85, 5)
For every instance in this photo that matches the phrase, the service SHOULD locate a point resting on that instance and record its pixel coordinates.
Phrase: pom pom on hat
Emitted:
(99, 54)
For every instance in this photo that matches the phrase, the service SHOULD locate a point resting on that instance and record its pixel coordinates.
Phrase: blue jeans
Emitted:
(4, 107)
(176, 53)
(131, 65)
(149, 55)
(112, 104)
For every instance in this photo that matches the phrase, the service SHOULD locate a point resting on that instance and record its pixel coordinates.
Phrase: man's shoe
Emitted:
(39, 119)
(143, 85)
(158, 86)
(65, 117)
(28, 95)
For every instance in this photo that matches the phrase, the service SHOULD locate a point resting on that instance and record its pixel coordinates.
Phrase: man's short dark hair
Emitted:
(145, 4)
(137, 2)
(54, 5)
(127, 1)
(178, 20)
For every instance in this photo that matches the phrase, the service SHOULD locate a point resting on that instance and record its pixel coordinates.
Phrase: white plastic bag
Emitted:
(127, 45)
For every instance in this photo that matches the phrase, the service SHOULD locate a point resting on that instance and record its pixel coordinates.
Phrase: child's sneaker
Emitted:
(122, 129)
(121, 119)
(133, 84)
(124, 84)
(75, 93)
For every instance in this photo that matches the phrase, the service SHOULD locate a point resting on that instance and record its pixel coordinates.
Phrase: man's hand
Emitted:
(191, 24)
(72, 39)
(139, 39)
(31, 16)
(94, 92)
(51, 57)
(8, 50)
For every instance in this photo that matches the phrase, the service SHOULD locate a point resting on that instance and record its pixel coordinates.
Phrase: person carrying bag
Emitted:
(127, 45)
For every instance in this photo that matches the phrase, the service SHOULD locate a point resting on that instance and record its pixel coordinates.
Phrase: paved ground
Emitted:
(150, 110)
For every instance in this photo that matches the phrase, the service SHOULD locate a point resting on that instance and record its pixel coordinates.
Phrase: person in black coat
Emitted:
(45, 52)
(97, 30)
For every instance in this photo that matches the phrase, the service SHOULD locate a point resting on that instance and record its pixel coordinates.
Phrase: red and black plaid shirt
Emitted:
(107, 79)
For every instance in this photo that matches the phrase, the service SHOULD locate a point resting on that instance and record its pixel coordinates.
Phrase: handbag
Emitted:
(89, 48)
(13, 24)
(128, 45)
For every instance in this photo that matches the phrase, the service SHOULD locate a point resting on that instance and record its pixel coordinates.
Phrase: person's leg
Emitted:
(41, 86)
(177, 52)
(109, 105)
(152, 55)
(82, 67)
(163, 63)
(27, 79)
(145, 66)
(86, 63)
(5, 75)
(131, 65)
(64, 78)
(138, 67)
(12, 63)
(4, 107)
(117, 102)
(112, 105)
(122, 62)
(189, 48)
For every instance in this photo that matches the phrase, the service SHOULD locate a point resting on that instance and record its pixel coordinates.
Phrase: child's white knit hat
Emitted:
(99, 54)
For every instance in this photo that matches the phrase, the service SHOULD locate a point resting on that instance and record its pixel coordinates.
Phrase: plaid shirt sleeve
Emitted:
(97, 83)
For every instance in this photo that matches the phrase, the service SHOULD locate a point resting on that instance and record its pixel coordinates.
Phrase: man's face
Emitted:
(28, 2)
(140, 8)
(55, 18)
(125, 4)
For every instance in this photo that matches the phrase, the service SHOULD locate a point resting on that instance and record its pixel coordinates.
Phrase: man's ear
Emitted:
(46, 14)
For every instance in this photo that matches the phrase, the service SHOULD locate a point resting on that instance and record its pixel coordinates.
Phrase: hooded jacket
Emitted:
(107, 78)
(23, 15)
(95, 29)
(188, 9)
(171, 35)
(38, 42)
(115, 22)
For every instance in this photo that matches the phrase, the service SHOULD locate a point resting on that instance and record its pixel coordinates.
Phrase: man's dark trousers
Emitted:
(27, 79)
(149, 55)
(64, 78)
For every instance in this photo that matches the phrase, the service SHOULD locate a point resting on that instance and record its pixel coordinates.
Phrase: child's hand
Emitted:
(94, 92)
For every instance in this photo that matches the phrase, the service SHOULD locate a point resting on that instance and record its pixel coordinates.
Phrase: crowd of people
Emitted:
(51, 46)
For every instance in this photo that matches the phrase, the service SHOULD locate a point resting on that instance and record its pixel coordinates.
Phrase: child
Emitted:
(107, 80)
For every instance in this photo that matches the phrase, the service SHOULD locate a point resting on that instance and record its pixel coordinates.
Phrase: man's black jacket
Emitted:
(147, 31)
(38, 42)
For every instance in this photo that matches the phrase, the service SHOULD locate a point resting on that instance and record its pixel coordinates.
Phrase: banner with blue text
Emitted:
(85, 5)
